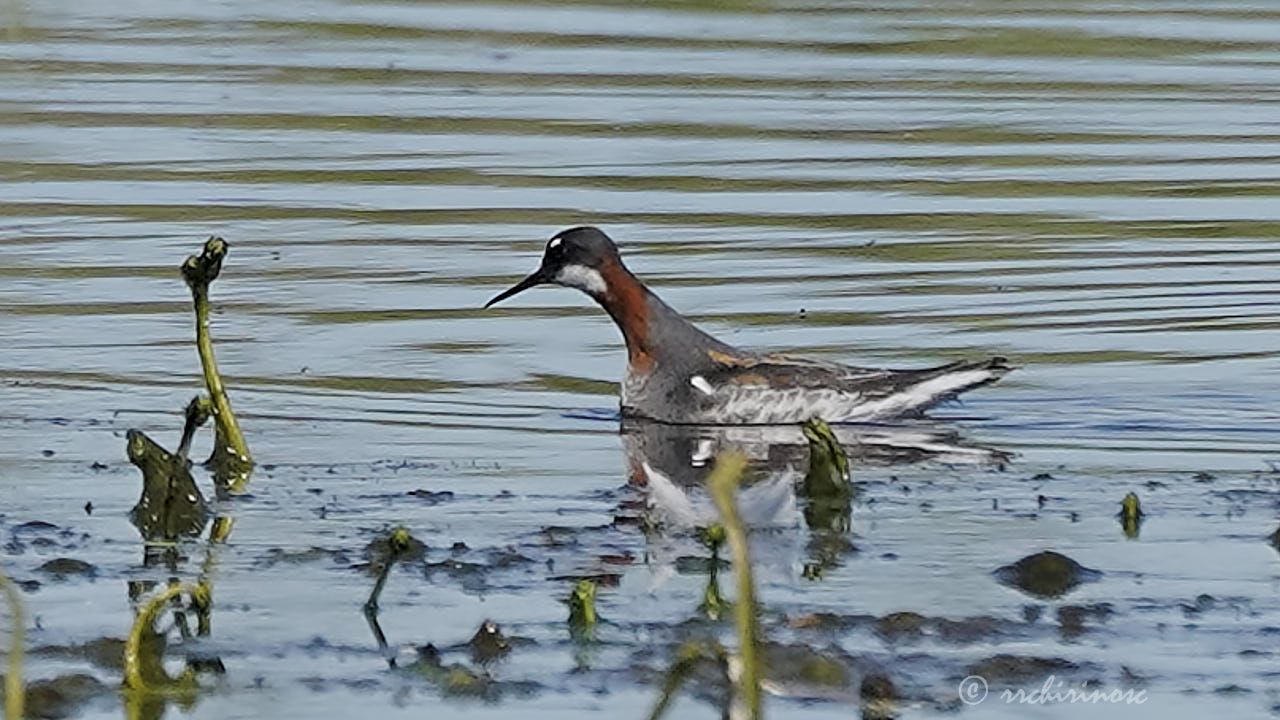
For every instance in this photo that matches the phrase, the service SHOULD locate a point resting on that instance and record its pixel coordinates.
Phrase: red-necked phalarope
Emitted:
(677, 373)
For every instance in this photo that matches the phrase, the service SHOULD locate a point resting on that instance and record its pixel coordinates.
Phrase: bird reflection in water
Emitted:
(797, 473)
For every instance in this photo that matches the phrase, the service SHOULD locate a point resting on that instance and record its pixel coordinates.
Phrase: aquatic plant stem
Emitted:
(371, 605)
(14, 695)
(398, 542)
(196, 414)
(723, 483)
(371, 617)
(217, 392)
(231, 459)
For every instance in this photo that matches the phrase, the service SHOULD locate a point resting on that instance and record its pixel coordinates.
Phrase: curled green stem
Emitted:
(14, 695)
(134, 660)
(231, 460)
(723, 483)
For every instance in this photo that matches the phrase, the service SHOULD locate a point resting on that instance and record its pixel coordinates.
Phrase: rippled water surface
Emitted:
(1089, 189)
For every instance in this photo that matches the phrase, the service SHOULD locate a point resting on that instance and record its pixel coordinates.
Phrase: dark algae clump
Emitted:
(62, 696)
(67, 568)
(489, 644)
(1046, 574)
(1016, 669)
(900, 626)
(171, 505)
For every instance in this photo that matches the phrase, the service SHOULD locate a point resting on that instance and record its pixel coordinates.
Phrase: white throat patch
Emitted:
(583, 278)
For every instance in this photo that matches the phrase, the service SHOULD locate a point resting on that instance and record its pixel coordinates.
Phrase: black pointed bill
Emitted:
(537, 278)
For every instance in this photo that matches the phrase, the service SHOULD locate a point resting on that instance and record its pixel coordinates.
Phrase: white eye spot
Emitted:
(701, 384)
(555, 243)
(583, 278)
